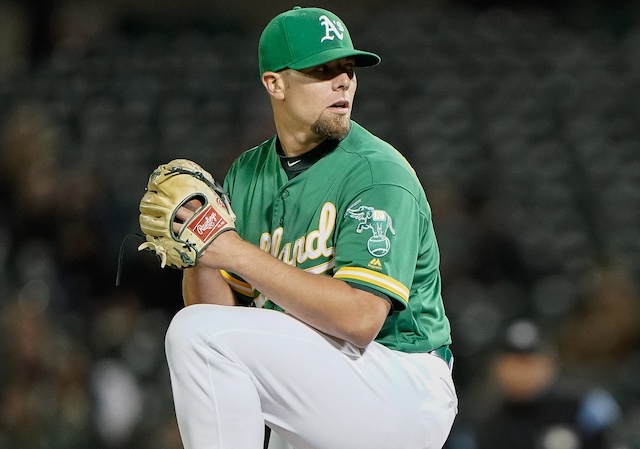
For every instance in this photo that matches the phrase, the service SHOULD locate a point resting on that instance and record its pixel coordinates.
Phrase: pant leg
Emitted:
(234, 368)
(216, 402)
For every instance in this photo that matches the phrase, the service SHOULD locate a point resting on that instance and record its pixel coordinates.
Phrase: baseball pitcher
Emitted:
(311, 278)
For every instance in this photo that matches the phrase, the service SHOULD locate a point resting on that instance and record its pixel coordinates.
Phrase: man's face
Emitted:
(321, 97)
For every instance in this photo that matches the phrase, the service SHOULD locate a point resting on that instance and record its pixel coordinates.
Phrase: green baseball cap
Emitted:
(306, 37)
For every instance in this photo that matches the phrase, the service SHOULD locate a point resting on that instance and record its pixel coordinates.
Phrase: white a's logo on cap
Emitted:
(331, 29)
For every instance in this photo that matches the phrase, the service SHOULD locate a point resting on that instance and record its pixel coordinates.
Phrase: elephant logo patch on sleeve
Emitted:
(376, 220)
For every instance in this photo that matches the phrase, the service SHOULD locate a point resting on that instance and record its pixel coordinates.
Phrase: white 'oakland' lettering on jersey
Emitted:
(312, 246)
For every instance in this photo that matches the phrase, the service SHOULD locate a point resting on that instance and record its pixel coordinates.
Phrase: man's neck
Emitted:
(295, 143)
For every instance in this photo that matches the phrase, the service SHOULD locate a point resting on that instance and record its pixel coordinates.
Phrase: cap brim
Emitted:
(362, 58)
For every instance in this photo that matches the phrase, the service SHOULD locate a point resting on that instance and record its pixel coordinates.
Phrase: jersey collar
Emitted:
(295, 165)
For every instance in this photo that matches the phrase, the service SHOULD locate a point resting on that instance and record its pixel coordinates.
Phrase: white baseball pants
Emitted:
(233, 369)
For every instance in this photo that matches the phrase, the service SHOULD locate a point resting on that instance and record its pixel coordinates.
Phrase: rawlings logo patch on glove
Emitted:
(170, 187)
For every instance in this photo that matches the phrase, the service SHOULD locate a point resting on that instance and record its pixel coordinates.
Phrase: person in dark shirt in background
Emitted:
(535, 409)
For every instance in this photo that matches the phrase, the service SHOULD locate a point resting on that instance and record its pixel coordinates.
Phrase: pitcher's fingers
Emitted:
(193, 204)
(183, 214)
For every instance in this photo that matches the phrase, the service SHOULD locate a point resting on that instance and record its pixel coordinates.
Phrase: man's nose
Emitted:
(343, 80)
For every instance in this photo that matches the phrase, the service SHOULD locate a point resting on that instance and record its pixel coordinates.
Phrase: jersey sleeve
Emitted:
(229, 180)
(377, 241)
(243, 291)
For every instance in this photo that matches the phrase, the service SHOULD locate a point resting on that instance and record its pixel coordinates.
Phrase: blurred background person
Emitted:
(533, 407)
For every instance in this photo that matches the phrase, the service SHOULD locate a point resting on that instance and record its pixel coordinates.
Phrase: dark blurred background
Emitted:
(522, 119)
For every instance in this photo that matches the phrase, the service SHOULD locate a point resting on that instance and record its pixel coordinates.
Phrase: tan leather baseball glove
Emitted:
(170, 187)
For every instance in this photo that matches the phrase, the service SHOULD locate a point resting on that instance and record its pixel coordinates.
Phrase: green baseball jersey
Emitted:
(358, 214)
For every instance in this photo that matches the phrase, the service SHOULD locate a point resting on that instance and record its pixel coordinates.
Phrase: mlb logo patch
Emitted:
(206, 224)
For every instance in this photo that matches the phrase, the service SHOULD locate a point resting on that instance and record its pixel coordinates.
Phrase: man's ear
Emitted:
(274, 83)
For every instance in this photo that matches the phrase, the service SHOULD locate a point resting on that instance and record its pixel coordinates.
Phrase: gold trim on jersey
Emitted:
(374, 278)
(323, 267)
(242, 287)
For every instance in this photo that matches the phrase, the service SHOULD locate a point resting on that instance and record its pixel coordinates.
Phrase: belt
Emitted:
(444, 353)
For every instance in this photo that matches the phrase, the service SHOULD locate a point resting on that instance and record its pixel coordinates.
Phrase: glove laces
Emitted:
(159, 250)
(121, 256)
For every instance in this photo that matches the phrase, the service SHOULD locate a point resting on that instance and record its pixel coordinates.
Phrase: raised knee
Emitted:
(181, 330)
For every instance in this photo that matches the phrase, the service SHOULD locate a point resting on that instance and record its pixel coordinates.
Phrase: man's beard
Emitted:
(332, 126)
